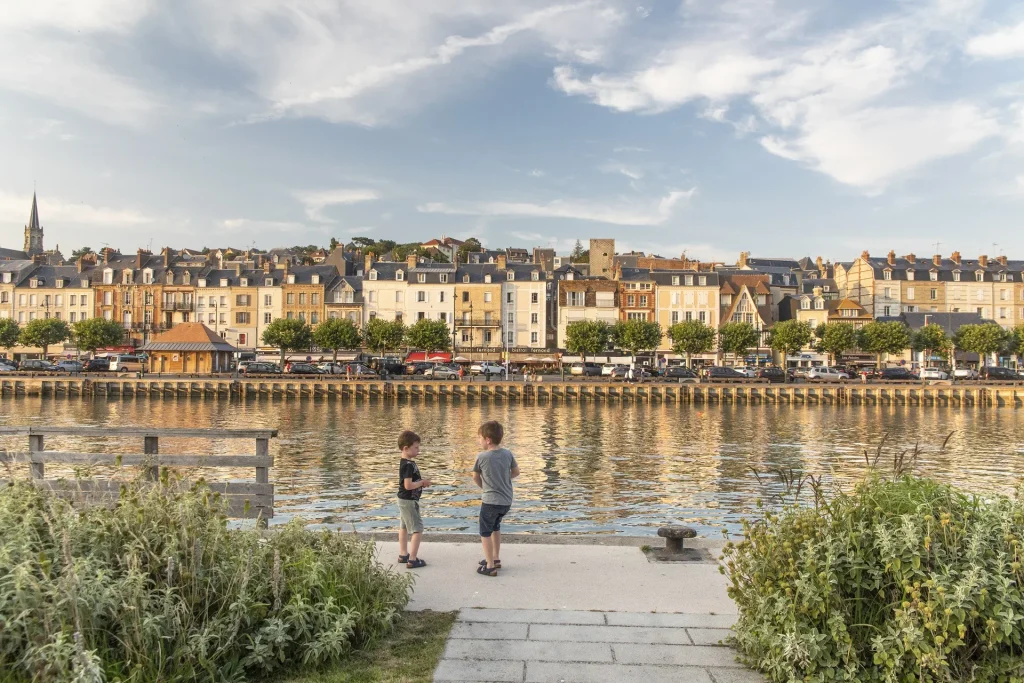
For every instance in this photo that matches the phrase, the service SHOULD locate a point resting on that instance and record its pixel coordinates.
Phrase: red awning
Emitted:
(434, 356)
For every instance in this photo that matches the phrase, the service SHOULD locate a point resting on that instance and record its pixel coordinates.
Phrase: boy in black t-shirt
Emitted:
(410, 486)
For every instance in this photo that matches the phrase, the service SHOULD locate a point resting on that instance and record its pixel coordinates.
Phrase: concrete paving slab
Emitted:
(708, 636)
(695, 655)
(474, 670)
(489, 631)
(547, 672)
(529, 650)
(579, 577)
(659, 619)
(531, 616)
(609, 634)
(736, 675)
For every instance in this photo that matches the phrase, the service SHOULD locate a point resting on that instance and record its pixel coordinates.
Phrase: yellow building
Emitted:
(683, 295)
(477, 310)
(303, 288)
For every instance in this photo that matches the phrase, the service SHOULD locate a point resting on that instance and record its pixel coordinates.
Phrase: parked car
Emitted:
(796, 374)
(933, 373)
(125, 363)
(418, 367)
(748, 371)
(585, 370)
(69, 366)
(6, 367)
(721, 373)
(825, 374)
(386, 364)
(303, 369)
(487, 368)
(965, 373)
(606, 369)
(360, 371)
(642, 373)
(330, 367)
(679, 373)
(262, 368)
(9, 363)
(619, 372)
(97, 365)
(997, 372)
(772, 374)
(37, 366)
(442, 371)
(899, 373)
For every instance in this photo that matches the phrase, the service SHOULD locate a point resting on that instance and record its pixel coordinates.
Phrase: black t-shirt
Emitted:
(408, 470)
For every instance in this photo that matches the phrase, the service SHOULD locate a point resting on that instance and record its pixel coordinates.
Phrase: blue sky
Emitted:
(704, 126)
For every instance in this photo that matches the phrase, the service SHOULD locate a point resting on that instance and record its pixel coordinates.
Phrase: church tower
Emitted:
(33, 232)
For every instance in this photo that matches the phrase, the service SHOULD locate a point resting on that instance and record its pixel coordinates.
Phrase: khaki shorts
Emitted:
(409, 512)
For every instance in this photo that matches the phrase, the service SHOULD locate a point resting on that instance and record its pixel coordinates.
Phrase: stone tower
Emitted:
(33, 232)
(602, 257)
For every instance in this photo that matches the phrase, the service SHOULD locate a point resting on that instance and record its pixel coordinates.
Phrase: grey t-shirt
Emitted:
(495, 468)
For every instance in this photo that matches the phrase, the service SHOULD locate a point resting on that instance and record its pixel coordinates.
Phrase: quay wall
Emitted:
(913, 394)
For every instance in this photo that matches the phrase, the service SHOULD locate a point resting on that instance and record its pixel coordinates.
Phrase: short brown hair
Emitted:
(407, 439)
(492, 431)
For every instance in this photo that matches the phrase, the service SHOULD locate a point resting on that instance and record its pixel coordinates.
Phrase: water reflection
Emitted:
(587, 468)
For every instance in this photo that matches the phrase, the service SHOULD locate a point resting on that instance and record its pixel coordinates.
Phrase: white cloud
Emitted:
(1002, 43)
(250, 226)
(316, 201)
(614, 167)
(537, 173)
(621, 213)
(15, 209)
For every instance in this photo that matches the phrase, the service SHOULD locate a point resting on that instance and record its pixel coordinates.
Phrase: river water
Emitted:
(586, 467)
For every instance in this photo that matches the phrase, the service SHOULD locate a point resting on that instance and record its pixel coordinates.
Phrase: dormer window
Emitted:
(58, 283)
(291, 278)
(108, 276)
(315, 279)
(510, 275)
(702, 280)
(33, 283)
(535, 276)
(465, 278)
(956, 276)
(979, 276)
(400, 275)
(244, 282)
(85, 283)
(819, 304)
(910, 274)
(805, 304)
(373, 274)
(170, 277)
(147, 277)
(886, 274)
(444, 278)
(568, 276)
(223, 282)
(487, 278)
(1002, 277)
(675, 280)
(127, 279)
(268, 282)
(934, 275)
(202, 282)
(186, 277)
(421, 277)
(7, 278)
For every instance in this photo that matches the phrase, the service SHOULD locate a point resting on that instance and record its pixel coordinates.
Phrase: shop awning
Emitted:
(432, 357)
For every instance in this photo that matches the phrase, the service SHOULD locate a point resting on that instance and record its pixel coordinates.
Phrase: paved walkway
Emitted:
(564, 646)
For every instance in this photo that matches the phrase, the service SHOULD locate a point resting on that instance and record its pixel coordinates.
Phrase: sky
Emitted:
(704, 127)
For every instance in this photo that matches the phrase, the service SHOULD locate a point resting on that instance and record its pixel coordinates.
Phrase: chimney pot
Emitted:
(937, 259)
(955, 257)
(502, 262)
(412, 260)
(368, 262)
(892, 257)
(267, 266)
(744, 255)
(865, 255)
(983, 260)
(911, 257)
(1002, 260)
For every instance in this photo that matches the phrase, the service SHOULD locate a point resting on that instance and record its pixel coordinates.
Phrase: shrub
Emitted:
(160, 589)
(899, 580)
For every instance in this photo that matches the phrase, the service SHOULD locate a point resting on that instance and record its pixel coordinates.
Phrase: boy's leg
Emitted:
(486, 534)
(403, 541)
(414, 547)
(485, 541)
(496, 545)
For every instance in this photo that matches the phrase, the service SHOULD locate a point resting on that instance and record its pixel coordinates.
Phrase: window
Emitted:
(511, 318)
(443, 317)
(242, 339)
(314, 299)
(440, 297)
(290, 315)
(465, 337)
(244, 282)
(630, 300)
(373, 274)
(934, 275)
(58, 300)
(108, 277)
(465, 278)
(267, 318)
(535, 276)
(487, 336)
(910, 274)
(886, 274)
(1002, 295)
(675, 280)
(888, 292)
(314, 280)
(421, 315)
(372, 297)
(487, 318)
(534, 318)
(688, 280)
(58, 283)
(702, 280)
(127, 298)
(575, 299)
(465, 297)
(533, 337)
(444, 278)
(819, 304)
(910, 292)
(314, 318)
(71, 317)
(636, 315)
(422, 277)
(269, 282)
(108, 299)
(241, 318)
(675, 317)
(421, 296)
(702, 316)
(213, 318)
(487, 297)
(643, 300)
(71, 299)
(400, 275)
(223, 282)
(7, 278)
(886, 311)
(910, 309)
(202, 282)
(980, 310)
(302, 298)
(21, 298)
(108, 315)
(979, 276)
(399, 297)
(213, 301)
(508, 298)
(956, 276)
(289, 298)
(487, 278)
(511, 338)
(534, 298)
(1002, 277)
(127, 277)
(933, 294)
(291, 278)
(510, 275)
(242, 300)
(1002, 312)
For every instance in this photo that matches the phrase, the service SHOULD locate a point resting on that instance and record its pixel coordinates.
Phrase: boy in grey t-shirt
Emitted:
(494, 470)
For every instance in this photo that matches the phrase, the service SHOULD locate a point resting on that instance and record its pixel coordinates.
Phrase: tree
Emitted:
(79, 253)
(469, 246)
(736, 338)
(636, 335)
(1016, 342)
(43, 332)
(429, 335)
(577, 252)
(929, 340)
(587, 337)
(362, 242)
(879, 338)
(984, 339)
(10, 332)
(788, 337)
(337, 333)
(288, 334)
(334, 243)
(691, 337)
(383, 335)
(93, 333)
(835, 338)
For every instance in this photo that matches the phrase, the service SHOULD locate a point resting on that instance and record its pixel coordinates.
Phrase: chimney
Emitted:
(37, 259)
(955, 257)
(983, 261)
(368, 262)
(166, 253)
(743, 259)
(106, 255)
(412, 260)
(268, 266)
(138, 260)
(238, 268)
(817, 291)
(911, 257)
(1002, 260)
(892, 257)
(820, 266)
(502, 261)
(937, 259)
(80, 263)
(284, 265)
(865, 255)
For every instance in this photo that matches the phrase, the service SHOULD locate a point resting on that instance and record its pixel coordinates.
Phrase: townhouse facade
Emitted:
(637, 294)
(586, 299)
(682, 296)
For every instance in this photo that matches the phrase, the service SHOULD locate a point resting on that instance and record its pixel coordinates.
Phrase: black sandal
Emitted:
(497, 564)
(402, 559)
(485, 571)
(416, 564)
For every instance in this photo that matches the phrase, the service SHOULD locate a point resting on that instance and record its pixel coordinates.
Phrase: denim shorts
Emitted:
(490, 518)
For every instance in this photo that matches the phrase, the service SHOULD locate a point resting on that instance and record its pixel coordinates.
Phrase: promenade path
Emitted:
(566, 612)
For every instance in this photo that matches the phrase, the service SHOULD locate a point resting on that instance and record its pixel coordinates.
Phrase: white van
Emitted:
(123, 363)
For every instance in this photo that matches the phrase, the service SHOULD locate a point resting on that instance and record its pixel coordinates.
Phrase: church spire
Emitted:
(33, 231)
(33, 219)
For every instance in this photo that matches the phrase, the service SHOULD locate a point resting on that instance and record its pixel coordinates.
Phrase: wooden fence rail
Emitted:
(247, 500)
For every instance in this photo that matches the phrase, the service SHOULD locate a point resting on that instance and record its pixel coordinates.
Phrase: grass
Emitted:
(409, 655)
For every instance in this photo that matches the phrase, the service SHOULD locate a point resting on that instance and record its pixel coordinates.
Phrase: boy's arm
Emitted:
(515, 468)
(411, 485)
(476, 479)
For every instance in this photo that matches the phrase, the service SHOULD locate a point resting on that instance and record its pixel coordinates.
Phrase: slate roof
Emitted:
(13, 254)
(807, 285)
(923, 267)
(664, 278)
(189, 337)
(950, 322)
(478, 271)
(48, 276)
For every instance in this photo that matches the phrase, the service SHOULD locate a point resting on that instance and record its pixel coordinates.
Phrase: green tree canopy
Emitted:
(984, 339)
(93, 333)
(79, 253)
(472, 245)
(337, 333)
(878, 338)
(334, 243)
(636, 335)
(10, 332)
(930, 340)
(429, 335)
(43, 332)
(690, 337)
(835, 339)
(587, 337)
(737, 338)
(383, 335)
(579, 254)
(1017, 341)
(288, 335)
(789, 337)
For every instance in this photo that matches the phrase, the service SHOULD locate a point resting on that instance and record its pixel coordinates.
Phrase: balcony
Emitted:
(466, 323)
(178, 306)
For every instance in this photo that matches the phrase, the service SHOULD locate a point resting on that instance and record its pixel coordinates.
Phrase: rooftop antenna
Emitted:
(995, 246)
(937, 245)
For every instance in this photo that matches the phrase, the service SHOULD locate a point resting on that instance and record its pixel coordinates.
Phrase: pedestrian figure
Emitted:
(494, 470)
(410, 487)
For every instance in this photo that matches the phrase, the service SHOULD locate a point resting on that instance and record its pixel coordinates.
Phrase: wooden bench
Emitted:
(245, 500)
